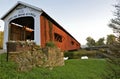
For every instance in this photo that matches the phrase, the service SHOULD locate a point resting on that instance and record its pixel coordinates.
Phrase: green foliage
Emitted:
(100, 42)
(78, 54)
(110, 39)
(73, 69)
(114, 49)
(90, 41)
(50, 44)
(115, 22)
(113, 62)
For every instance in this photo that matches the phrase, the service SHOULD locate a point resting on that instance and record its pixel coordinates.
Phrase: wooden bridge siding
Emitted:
(44, 31)
(45, 36)
(66, 42)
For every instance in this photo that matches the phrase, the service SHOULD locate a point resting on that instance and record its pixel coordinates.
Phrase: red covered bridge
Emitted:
(26, 22)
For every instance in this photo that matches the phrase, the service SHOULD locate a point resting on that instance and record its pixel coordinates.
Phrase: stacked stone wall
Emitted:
(28, 55)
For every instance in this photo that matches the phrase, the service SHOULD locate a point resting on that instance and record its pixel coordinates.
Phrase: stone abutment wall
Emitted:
(28, 55)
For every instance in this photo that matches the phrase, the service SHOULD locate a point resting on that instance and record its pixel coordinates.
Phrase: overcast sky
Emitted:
(81, 18)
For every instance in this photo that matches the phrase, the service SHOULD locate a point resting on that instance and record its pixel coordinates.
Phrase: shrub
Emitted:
(50, 44)
(79, 54)
(68, 54)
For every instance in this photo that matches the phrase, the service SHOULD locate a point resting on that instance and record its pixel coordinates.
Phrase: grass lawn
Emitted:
(73, 69)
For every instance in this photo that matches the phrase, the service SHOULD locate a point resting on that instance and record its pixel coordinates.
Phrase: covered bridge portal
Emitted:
(21, 29)
(26, 22)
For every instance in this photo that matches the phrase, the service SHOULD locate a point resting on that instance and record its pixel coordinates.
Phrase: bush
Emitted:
(79, 54)
(50, 44)
(68, 54)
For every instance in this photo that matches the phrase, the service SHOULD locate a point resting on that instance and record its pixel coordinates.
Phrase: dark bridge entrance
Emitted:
(21, 29)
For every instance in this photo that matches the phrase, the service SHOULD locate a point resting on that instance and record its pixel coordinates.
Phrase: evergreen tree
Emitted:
(113, 54)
